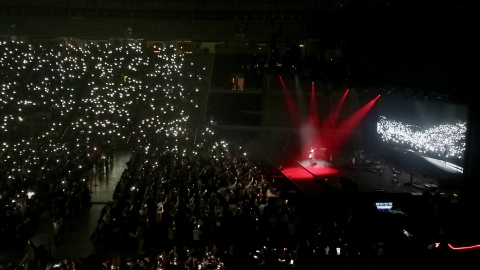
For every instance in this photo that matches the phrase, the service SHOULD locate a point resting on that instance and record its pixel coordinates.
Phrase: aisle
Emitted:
(103, 185)
(77, 237)
(77, 234)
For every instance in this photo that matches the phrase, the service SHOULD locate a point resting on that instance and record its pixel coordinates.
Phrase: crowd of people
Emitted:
(67, 107)
(187, 200)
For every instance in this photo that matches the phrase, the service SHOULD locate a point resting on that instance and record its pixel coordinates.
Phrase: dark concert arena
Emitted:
(239, 134)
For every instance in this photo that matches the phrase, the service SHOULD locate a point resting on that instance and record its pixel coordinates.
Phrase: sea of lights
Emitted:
(80, 100)
(446, 140)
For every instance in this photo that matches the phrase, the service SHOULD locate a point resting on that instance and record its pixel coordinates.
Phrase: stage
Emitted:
(365, 177)
(319, 168)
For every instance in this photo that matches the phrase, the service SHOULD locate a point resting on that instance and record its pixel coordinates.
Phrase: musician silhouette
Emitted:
(311, 156)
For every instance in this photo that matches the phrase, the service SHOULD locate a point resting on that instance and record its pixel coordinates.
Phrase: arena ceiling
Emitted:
(402, 43)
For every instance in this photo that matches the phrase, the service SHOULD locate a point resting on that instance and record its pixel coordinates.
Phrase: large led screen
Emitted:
(433, 130)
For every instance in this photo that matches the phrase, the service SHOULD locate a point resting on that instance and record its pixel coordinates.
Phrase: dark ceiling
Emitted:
(425, 45)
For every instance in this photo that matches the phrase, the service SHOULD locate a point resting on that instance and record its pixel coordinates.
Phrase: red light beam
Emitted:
(290, 103)
(313, 114)
(332, 118)
(348, 126)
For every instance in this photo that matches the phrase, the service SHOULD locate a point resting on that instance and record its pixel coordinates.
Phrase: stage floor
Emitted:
(387, 177)
(321, 168)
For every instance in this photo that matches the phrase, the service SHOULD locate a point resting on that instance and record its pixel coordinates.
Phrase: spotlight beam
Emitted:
(292, 107)
(332, 118)
(340, 134)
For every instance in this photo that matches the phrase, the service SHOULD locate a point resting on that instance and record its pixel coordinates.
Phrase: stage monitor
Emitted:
(383, 205)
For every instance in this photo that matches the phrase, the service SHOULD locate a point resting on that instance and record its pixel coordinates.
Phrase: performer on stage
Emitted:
(311, 156)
